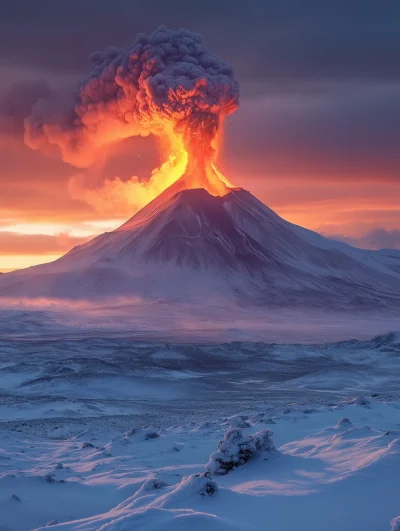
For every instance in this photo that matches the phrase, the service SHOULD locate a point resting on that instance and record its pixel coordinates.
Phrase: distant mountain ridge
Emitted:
(188, 245)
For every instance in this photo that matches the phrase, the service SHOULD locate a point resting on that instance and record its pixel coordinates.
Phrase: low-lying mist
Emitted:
(214, 321)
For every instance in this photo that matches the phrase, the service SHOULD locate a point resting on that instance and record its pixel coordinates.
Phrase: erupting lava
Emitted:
(196, 140)
(166, 84)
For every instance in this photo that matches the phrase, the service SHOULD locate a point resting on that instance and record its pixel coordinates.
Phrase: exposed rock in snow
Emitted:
(153, 484)
(201, 484)
(87, 445)
(131, 432)
(151, 435)
(362, 401)
(236, 449)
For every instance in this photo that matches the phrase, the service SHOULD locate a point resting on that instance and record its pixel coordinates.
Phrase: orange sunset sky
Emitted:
(316, 136)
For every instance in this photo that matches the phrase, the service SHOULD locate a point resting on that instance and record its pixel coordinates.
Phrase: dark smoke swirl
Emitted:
(162, 81)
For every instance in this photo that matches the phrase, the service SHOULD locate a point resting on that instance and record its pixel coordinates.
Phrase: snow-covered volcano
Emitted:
(188, 244)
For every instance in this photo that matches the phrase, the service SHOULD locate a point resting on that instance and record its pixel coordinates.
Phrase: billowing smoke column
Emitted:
(166, 84)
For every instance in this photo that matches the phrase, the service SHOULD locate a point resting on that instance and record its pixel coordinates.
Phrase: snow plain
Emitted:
(113, 431)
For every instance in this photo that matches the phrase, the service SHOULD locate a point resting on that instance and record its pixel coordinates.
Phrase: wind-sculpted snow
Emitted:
(102, 430)
(331, 467)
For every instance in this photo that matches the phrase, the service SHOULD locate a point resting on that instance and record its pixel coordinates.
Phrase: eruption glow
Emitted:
(168, 85)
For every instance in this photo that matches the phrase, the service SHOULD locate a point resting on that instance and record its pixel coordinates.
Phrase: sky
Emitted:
(316, 136)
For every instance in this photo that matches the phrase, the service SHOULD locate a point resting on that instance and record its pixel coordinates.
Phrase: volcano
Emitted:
(190, 245)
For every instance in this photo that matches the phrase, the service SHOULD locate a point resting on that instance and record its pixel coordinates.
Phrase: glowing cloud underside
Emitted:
(167, 84)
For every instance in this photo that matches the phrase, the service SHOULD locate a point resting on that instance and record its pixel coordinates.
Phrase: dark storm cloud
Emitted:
(342, 130)
(16, 103)
(265, 40)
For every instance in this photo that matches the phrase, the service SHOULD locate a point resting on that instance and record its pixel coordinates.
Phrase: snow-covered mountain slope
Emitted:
(188, 243)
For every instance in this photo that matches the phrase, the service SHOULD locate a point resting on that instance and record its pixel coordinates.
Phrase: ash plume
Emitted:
(166, 84)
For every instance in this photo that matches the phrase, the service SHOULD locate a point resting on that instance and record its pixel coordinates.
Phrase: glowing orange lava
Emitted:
(190, 151)
(196, 143)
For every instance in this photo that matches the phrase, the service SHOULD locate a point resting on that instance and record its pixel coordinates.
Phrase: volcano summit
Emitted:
(190, 245)
(197, 237)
